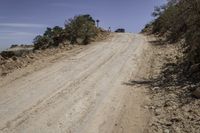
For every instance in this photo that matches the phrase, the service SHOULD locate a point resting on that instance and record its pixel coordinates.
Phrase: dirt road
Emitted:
(84, 93)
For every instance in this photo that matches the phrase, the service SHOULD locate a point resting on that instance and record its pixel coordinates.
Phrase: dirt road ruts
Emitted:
(84, 93)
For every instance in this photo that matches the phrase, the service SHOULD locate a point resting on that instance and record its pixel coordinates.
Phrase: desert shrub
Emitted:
(166, 21)
(42, 42)
(58, 35)
(52, 37)
(81, 27)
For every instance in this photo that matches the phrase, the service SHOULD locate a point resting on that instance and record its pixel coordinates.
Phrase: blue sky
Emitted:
(22, 20)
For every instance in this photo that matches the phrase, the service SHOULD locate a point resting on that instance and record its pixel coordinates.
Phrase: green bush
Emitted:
(81, 27)
(51, 38)
(58, 35)
(42, 42)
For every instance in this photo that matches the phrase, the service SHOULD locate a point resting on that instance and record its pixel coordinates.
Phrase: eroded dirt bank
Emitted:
(88, 91)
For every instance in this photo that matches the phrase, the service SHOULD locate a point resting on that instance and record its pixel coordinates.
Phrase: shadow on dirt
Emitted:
(157, 42)
(139, 82)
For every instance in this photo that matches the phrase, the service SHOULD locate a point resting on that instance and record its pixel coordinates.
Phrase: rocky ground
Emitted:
(175, 110)
(174, 106)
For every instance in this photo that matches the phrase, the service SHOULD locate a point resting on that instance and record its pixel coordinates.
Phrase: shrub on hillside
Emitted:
(51, 38)
(181, 19)
(81, 27)
(42, 42)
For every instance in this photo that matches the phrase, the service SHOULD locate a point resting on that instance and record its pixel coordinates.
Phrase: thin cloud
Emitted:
(69, 5)
(12, 35)
(1, 17)
(23, 34)
(22, 25)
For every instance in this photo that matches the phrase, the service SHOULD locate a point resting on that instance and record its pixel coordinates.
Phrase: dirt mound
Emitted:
(102, 35)
(16, 51)
(11, 61)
